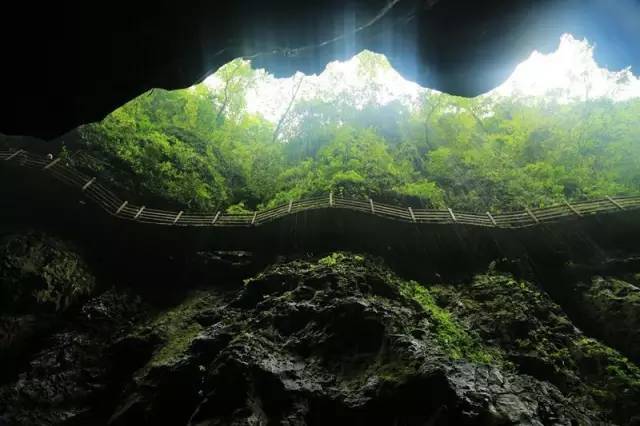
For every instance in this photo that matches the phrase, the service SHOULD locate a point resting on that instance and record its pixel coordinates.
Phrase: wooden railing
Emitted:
(112, 204)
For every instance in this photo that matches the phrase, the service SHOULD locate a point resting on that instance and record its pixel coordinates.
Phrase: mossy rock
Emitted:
(41, 273)
(455, 341)
(541, 341)
(170, 332)
(611, 308)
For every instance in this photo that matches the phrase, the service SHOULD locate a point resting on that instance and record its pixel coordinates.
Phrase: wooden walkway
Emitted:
(123, 209)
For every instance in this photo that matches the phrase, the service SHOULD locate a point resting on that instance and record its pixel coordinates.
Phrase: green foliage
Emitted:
(199, 147)
(42, 273)
(238, 209)
(423, 191)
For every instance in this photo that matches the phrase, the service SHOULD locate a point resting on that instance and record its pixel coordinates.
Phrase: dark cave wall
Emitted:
(69, 64)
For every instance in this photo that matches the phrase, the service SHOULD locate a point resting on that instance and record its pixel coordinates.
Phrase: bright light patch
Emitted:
(379, 84)
(569, 74)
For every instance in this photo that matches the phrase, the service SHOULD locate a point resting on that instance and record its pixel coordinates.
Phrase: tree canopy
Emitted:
(201, 147)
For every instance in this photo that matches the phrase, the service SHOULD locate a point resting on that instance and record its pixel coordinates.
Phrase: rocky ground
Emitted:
(331, 339)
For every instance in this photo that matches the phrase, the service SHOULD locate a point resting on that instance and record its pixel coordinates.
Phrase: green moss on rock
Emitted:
(610, 378)
(175, 329)
(610, 308)
(337, 257)
(342, 338)
(536, 335)
(457, 342)
(41, 273)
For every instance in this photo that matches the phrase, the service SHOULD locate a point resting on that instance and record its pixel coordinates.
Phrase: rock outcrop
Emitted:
(611, 307)
(336, 339)
(40, 278)
(538, 339)
(71, 378)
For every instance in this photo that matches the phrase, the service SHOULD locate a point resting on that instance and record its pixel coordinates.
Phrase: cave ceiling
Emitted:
(68, 63)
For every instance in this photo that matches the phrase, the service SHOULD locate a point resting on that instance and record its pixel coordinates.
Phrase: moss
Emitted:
(451, 336)
(455, 341)
(609, 310)
(612, 289)
(178, 341)
(538, 337)
(387, 368)
(176, 328)
(339, 257)
(606, 360)
(393, 371)
(609, 378)
(383, 288)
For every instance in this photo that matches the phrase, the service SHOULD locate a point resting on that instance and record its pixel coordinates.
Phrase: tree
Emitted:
(285, 115)
(236, 78)
(199, 148)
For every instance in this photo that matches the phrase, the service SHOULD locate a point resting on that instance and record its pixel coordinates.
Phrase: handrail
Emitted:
(123, 209)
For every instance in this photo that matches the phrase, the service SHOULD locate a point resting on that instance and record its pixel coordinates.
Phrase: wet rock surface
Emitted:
(40, 273)
(337, 339)
(68, 380)
(40, 277)
(611, 305)
(539, 340)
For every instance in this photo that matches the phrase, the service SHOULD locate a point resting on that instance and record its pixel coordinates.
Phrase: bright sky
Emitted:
(271, 96)
(569, 74)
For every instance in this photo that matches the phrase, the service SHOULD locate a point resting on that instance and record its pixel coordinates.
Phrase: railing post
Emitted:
(492, 219)
(139, 212)
(51, 164)
(215, 219)
(122, 207)
(630, 202)
(88, 184)
(453, 216)
(178, 217)
(413, 217)
(573, 209)
(18, 152)
(615, 203)
(535, 219)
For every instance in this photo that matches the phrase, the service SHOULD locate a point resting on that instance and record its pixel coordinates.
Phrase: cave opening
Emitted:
(393, 212)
